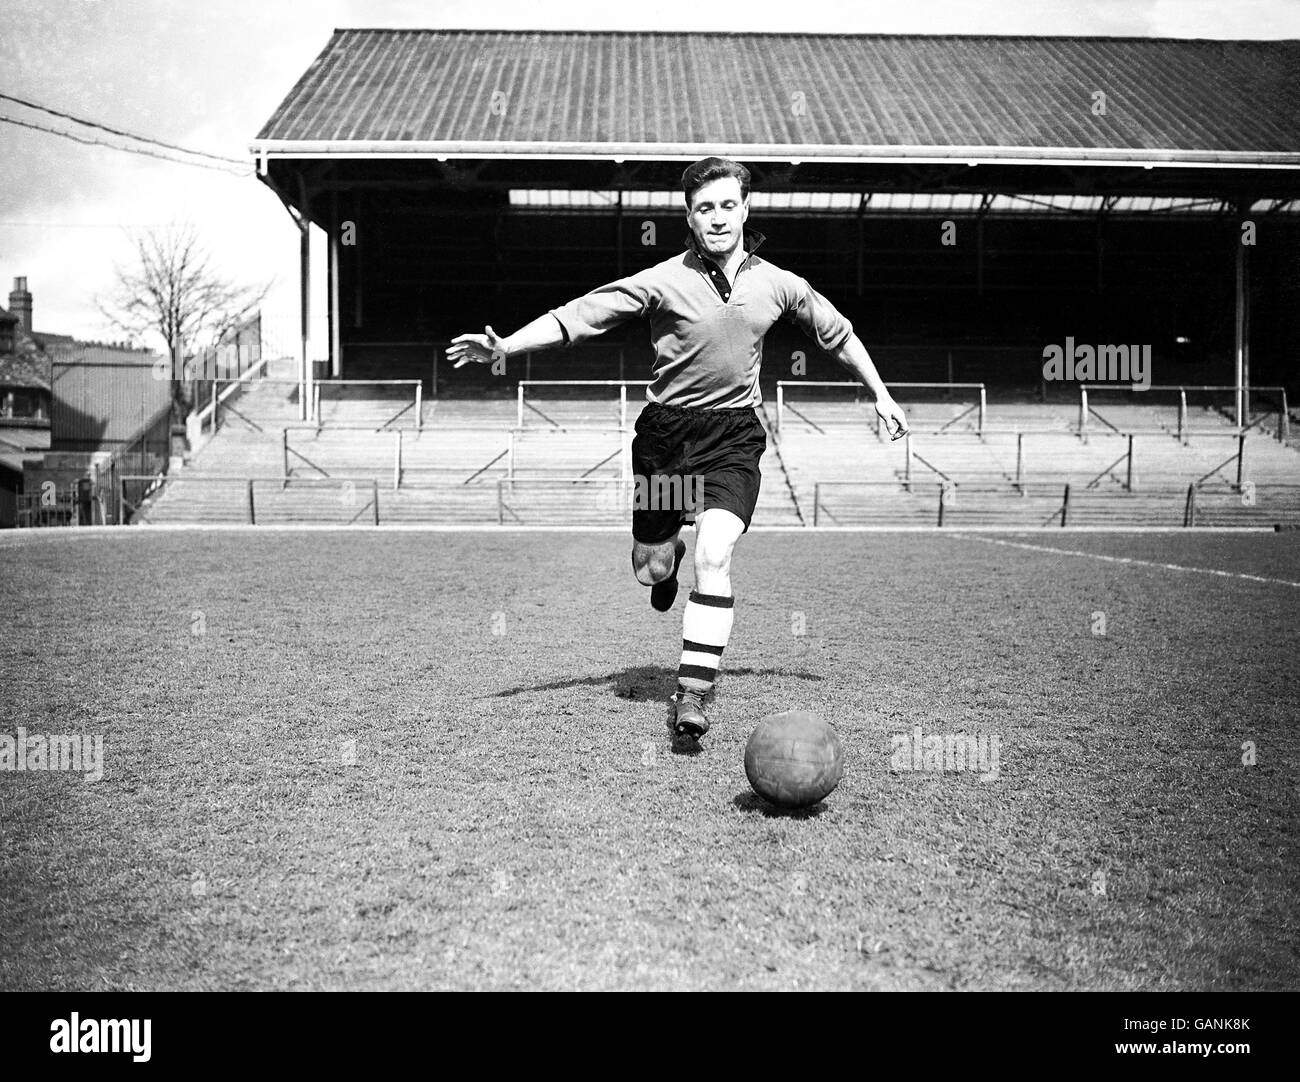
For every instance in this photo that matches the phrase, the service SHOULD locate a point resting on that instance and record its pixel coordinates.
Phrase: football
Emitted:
(793, 759)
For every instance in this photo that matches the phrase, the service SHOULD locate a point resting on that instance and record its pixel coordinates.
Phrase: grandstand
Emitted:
(1066, 224)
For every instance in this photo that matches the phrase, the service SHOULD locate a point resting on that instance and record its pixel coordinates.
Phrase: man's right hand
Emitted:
(479, 348)
(890, 412)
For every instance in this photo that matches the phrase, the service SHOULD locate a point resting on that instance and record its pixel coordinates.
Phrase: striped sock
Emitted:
(706, 627)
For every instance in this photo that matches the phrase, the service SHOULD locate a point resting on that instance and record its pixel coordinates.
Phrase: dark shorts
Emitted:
(688, 460)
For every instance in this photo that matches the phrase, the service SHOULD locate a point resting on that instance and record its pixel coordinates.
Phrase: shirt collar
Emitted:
(750, 239)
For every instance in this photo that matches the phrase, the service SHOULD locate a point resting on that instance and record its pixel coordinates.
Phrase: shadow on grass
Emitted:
(645, 683)
(753, 804)
(684, 745)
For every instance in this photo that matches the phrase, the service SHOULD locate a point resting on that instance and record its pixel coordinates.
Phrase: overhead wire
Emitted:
(227, 165)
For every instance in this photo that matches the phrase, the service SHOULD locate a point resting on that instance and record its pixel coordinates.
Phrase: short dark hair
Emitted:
(700, 173)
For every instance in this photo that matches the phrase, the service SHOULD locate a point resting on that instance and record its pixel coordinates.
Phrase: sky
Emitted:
(207, 76)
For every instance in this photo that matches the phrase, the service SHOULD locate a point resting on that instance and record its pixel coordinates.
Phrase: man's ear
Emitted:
(744, 210)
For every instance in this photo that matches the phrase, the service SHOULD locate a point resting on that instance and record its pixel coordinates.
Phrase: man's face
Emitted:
(717, 216)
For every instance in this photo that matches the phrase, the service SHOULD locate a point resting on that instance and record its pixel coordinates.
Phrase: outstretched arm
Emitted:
(569, 324)
(853, 355)
(821, 322)
(544, 332)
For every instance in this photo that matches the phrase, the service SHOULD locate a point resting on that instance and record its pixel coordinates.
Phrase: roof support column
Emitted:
(1107, 204)
(863, 200)
(304, 276)
(618, 233)
(1241, 324)
(306, 392)
(358, 263)
(336, 358)
(986, 201)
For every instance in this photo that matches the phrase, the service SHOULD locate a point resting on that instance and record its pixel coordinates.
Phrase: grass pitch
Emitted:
(373, 760)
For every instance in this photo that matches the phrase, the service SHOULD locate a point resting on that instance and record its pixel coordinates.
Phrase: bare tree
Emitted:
(173, 291)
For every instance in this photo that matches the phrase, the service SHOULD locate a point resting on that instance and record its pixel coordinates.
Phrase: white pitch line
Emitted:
(33, 536)
(1125, 560)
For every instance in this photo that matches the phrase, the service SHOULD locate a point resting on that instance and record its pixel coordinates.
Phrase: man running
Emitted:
(709, 309)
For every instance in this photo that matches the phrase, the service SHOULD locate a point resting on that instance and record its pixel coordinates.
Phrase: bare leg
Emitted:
(718, 530)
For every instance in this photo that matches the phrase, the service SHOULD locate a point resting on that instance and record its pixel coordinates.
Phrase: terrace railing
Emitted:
(783, 405)
(1088, 412)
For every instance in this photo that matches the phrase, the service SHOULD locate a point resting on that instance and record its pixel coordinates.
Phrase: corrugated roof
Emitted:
(558, 93)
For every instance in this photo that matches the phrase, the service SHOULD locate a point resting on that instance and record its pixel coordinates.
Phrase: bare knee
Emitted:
(653, 563)
(712, 559)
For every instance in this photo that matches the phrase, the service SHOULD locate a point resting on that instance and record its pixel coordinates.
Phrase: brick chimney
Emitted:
(20, 304)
